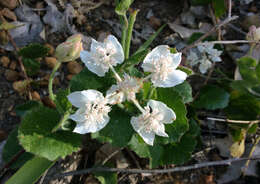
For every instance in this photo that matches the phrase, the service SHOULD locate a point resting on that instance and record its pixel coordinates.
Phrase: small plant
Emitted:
(142, 101)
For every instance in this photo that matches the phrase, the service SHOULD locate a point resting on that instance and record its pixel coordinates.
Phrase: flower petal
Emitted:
(155, 54)
(161, 130)
(168, 114)
(78, 116)
(176, 59)
(80, 98)
(148, 137)
(111, 42)
(94, 45)
(90, 127)
(113, 96)
(174, 78)
(94, 67)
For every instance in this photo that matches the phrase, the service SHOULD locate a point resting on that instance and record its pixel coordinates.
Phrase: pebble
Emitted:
(155, 22)
(11, 4)
(11, 75)
(5, 61)
(69, 77)
(74, 67)
(51, 62)
(36, 96)
(13, 65)
(51, 49)
(48, 102)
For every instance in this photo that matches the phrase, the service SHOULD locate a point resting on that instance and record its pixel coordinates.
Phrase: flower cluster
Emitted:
(93, 107)
(204, 57)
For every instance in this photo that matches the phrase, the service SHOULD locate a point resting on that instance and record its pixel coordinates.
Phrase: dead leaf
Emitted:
(237, 149)
(9, 14)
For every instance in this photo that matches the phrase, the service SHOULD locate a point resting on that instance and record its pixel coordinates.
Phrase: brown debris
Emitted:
(48, 102)
(36, 96)
(11, 4)
(11, 75)
(155, 22)
(9, 14)
(5, 61)
(74, 67)
(51, 62)
(13, 65)
(51, 49)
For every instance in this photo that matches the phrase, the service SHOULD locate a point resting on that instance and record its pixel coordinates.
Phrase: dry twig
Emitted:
(156, 171)
(234, 121)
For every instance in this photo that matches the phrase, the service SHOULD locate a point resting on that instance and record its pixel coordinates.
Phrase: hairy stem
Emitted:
(132, 19)
(51, 95)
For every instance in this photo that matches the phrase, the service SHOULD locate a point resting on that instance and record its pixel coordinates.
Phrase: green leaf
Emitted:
(139, 146)
(179, 153)
(123, 6)
(243, 107)
(22, 109)
(11, 148)
(61, 100)
(31, 171)
(31, 65)
(172, 99)
(33, 51)
(119, 129)
(35, 135)
(148, 42)
(257, 70)
(247, 69)
(106, 177)
(135, 59)
(212, 97)
(219, 7)
(253, 129)
(154, 153)
(9, 26)
(187, 70)
(185, 91)
(87, 80)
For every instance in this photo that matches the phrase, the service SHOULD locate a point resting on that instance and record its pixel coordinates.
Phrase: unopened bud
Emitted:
(253, 34)
(70, 49)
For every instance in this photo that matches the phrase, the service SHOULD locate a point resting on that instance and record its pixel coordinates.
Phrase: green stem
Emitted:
(132, 19)
(63, 119)
(51, 95)
(124, 23)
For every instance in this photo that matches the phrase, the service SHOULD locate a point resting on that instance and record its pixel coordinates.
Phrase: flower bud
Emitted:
(253, 34)
(70, 49)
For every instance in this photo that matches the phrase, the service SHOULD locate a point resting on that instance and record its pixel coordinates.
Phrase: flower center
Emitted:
(162, 69)
(96, 111)
(150, 119)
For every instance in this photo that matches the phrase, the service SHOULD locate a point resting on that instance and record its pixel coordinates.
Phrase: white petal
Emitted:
(168, 114)
(161, 130)
(94, 67)
(174, 78)
(78, 99)
(94, 45)
(156, 54)
(118, 56)
(148, 137)
(78, 116)
(113, 96)
(205, 66)
(90, 127)
(176, 60)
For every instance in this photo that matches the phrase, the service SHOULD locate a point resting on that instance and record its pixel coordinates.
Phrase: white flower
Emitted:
(152, 121)
(193, 58)
(205, 64)
(126, 89)
(92, 114)
(101, 55)
(162, 64)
